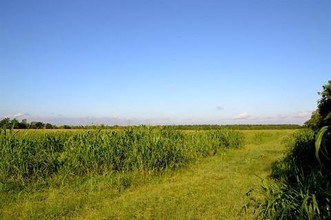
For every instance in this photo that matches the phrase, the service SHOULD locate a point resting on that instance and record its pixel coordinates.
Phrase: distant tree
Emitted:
(37, 125)
(40, 125)
(322, 116)
(24, 121)
(14, 123)
(33, 125)
(5, 122)
(48, 126)
(24, 124)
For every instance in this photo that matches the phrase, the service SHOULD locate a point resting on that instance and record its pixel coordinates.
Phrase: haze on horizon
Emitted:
(163, 62)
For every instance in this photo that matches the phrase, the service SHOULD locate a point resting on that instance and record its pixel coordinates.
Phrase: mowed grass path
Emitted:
(212, 188)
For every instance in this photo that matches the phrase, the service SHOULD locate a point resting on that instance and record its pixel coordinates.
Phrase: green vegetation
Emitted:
(300, 189)
(302, 179)
(28, 159)
(168, 172)
(237, 127)
(322, 143)
(24, 124)
(210, 184)
(322, 116)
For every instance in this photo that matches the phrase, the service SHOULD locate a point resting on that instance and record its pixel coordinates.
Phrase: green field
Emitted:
(208, 177)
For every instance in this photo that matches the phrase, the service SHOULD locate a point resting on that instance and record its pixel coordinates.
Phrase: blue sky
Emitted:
(163, 61)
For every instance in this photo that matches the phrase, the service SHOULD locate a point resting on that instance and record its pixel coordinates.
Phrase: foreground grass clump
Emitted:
(26, 159)
(301, 189)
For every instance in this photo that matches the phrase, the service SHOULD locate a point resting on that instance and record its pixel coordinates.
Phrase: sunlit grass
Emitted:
(210, 187)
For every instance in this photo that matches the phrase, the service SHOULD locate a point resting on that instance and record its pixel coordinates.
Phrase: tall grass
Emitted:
(208, 143)
(26, 159)
(142, 149)
(301, 189)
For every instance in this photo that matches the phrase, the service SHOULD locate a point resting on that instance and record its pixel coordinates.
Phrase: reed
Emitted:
(26, 158)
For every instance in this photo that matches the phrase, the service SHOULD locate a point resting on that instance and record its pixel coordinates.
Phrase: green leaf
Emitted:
(320, 147)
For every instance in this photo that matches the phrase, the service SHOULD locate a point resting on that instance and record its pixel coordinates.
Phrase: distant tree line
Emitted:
(8, 123)
(24, 124)
(237, 127)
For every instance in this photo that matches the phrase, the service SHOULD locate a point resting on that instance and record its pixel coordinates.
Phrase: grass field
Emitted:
(211, 187)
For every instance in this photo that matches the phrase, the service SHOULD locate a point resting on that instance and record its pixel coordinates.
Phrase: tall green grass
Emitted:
(301, 188)
(26, 159)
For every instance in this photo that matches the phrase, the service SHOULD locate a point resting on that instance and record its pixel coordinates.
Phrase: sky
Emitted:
(163, 61)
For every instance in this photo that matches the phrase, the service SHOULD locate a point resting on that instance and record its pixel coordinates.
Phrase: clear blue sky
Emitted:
(163, 61)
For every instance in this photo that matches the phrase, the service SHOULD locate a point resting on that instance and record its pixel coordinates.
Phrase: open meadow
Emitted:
(165, 110)
(136, 173)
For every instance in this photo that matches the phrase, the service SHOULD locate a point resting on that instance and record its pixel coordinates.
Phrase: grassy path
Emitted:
(213, 188)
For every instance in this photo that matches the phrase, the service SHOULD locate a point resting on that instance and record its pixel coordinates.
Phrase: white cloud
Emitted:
(243, 115)
(18, 115)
